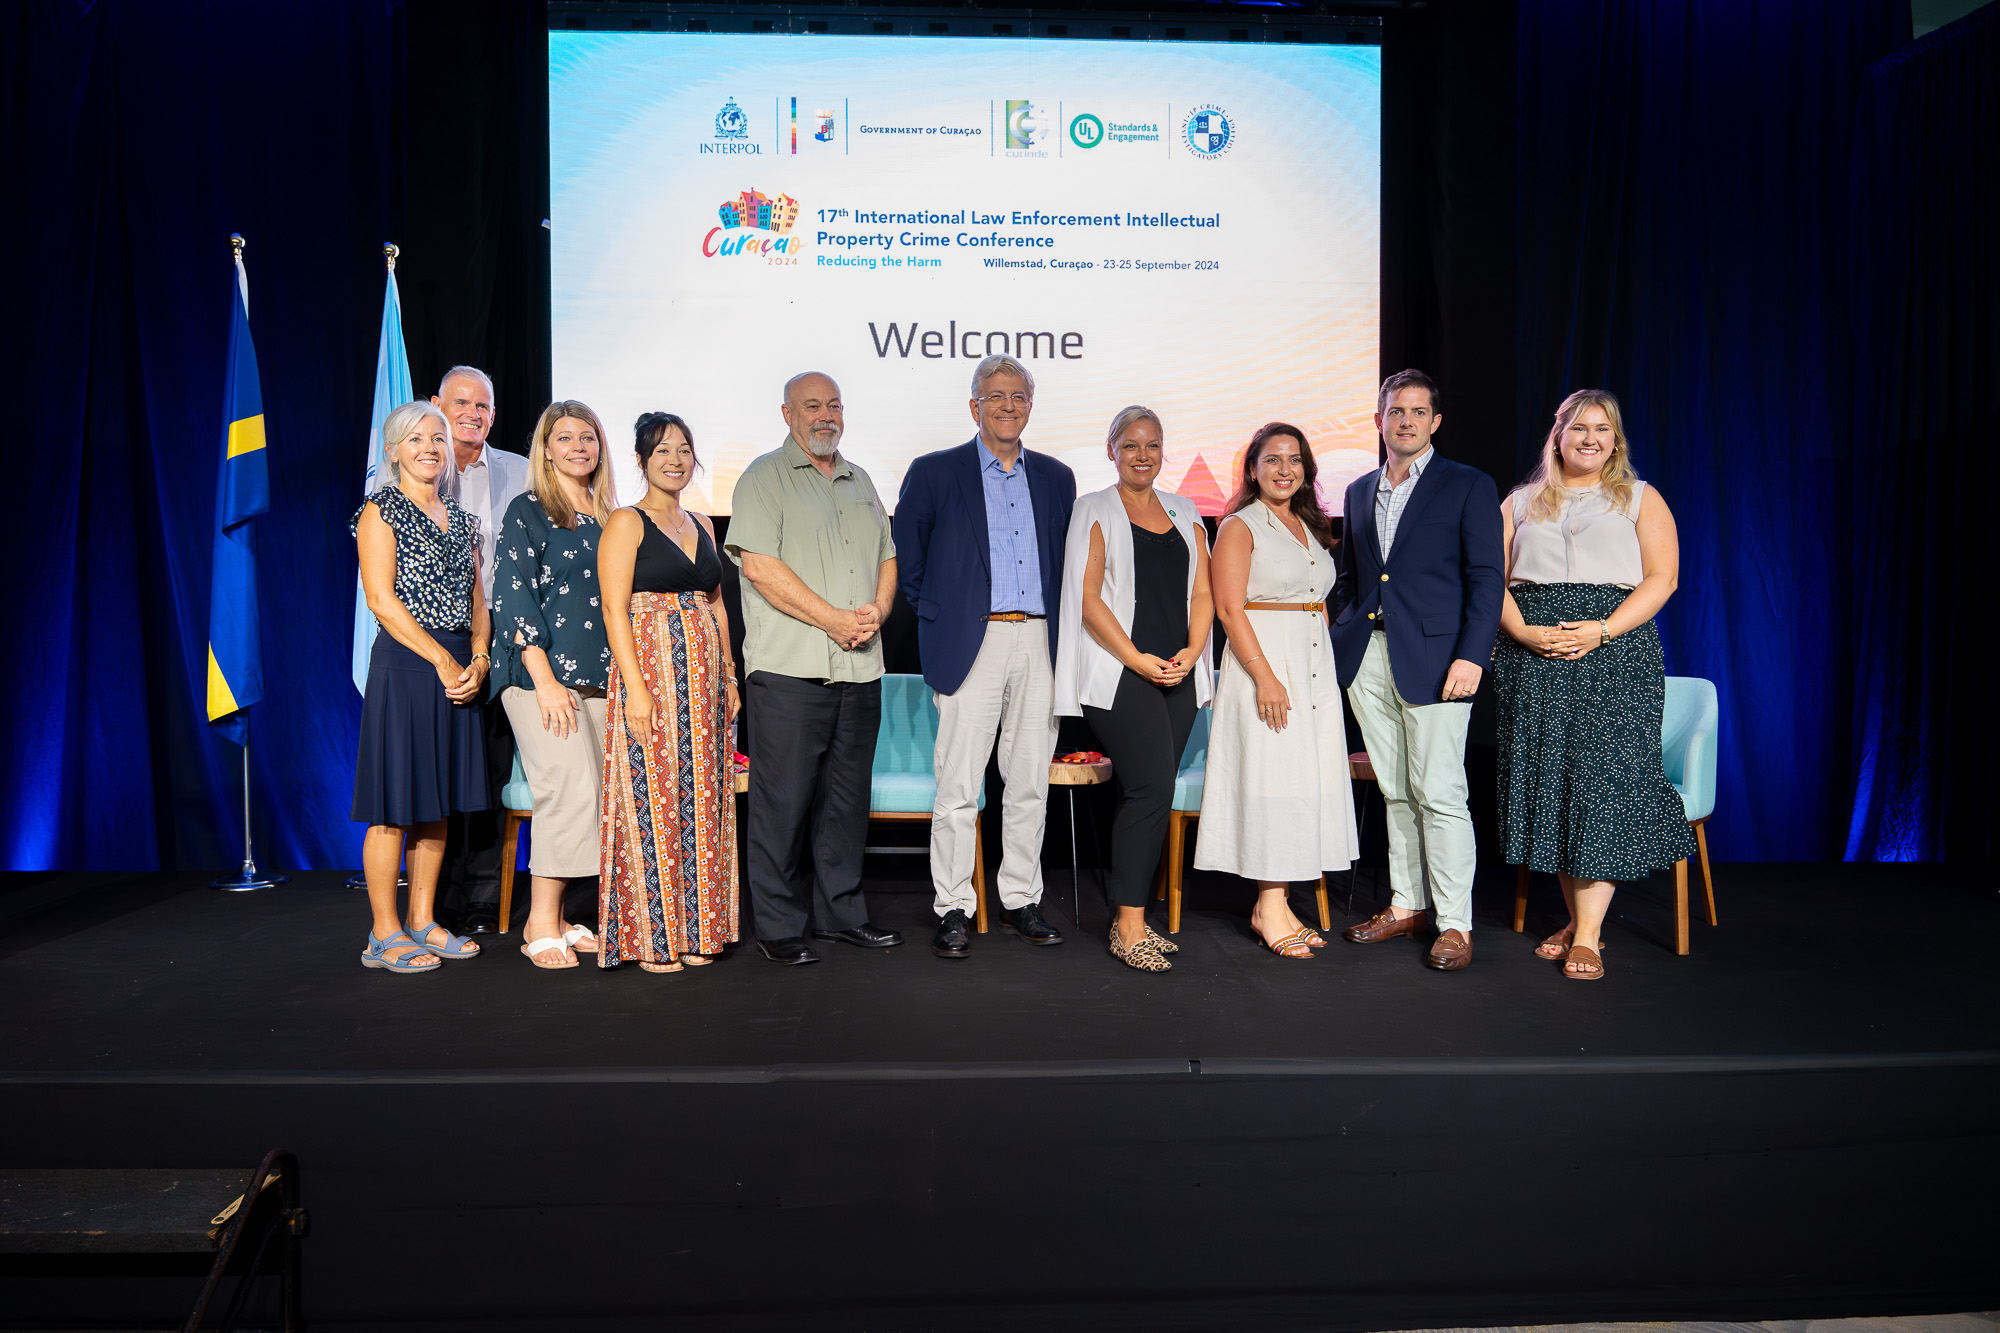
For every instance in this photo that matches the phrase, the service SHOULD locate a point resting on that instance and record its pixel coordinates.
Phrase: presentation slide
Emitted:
(1192, 226)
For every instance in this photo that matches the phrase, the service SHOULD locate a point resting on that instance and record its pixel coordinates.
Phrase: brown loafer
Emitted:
(1452, 951)
(1384, 925)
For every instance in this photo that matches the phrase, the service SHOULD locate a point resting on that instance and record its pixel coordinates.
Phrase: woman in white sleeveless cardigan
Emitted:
(1277, 806)
(1132, 658)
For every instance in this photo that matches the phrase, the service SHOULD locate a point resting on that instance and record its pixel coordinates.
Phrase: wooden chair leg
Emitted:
(1707, 883)
(1319, 896)
(1176, 847)
(510, 845)
(1521, 900)
(1681, 906)
(978, 873)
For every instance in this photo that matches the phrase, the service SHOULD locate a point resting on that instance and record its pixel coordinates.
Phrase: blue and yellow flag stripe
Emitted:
(242, 492)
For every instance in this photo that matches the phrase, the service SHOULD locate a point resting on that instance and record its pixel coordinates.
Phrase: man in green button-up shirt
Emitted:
(819, 575)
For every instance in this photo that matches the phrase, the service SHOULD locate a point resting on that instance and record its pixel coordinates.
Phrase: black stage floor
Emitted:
(1796, 1120)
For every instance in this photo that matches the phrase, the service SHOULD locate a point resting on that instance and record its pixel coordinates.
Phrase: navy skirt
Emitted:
(422, 757)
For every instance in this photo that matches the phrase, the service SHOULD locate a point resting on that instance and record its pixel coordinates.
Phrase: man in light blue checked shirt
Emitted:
(980, 531)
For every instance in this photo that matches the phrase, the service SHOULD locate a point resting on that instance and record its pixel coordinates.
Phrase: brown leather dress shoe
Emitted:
(1384, 925)
(1452, 951)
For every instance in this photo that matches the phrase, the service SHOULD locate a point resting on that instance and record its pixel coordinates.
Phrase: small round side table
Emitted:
(1070, 777)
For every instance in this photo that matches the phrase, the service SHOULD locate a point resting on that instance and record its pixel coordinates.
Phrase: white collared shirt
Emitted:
(486, 486)
(1391, 499)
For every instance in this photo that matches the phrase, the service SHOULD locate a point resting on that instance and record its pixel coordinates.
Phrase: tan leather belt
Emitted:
(1015, 615)
(1284, 606)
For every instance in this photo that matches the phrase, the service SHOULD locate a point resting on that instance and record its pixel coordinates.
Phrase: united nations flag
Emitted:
(242, 492)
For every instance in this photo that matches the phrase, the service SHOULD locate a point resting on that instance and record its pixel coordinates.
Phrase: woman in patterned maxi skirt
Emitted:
(667, 890)
(1579, 678)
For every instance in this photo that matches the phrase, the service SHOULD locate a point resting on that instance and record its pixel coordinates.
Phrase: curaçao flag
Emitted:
(242, 492)
(392, 390)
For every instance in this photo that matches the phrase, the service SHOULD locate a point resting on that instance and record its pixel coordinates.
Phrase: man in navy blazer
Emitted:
(1416, 608)
(979, 538)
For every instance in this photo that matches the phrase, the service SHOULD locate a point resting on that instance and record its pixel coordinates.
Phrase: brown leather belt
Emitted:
(1284, 606)
(1015, 615)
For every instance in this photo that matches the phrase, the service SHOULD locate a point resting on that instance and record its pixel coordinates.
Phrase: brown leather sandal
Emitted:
(1556, 945)
(1580, 956)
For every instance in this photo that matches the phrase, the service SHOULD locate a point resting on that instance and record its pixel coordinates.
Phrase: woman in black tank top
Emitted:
(667, 893)
(1152, 713)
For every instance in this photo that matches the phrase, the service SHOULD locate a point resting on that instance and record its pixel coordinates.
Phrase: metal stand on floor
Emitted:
(248, 877)
(1072, 776)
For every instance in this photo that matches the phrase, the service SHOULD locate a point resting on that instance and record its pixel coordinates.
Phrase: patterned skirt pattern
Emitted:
(1582, 787)
(667, 873)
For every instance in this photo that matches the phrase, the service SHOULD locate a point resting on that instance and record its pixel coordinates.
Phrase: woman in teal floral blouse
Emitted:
(551, 661)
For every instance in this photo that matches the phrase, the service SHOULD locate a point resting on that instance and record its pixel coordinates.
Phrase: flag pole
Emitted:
(248, 877)
(359, 879)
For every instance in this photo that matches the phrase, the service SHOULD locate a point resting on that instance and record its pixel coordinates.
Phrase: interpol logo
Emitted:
(1208, 131)
(732, 133)
(1086, 131)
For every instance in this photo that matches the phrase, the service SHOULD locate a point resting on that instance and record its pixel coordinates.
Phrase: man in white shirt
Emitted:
(488, 480)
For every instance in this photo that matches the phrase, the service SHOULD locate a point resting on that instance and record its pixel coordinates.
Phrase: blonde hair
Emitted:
(1544, 484)
(542, 482)
(1124, 421)
(397, 427)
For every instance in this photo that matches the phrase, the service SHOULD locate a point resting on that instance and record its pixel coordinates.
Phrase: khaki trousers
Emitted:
(1009, 690)
(1418, 751)
(566, 777)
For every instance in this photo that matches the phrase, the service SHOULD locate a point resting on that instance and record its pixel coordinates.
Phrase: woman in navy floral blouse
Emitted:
(422, 755)
(551, 661)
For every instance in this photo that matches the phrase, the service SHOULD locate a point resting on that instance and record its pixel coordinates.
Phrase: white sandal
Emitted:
(574, 937)
(534, 949)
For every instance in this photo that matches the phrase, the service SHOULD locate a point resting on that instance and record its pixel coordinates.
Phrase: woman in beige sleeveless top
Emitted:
(1579, 677)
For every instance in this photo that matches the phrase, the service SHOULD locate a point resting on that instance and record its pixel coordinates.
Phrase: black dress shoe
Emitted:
(1028, 922)
(864, 935)
(954, 936)
(790, 951)
(480, 919)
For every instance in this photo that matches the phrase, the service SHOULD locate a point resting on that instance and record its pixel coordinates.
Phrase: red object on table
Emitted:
(1080, 757)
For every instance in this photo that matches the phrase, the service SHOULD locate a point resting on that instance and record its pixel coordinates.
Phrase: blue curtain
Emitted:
(1683, 242)
(1926, 208)
(138, 136)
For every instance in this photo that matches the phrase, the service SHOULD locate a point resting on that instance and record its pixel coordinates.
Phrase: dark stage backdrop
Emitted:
(1684, 242)
(1926, 283)
(1652, 197)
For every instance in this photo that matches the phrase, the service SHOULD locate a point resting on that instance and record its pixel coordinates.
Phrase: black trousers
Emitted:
(812, 748)
(470, 875)
(1143, 734)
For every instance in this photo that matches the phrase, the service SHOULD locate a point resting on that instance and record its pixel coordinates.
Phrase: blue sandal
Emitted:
(376, 955)
(455, 946)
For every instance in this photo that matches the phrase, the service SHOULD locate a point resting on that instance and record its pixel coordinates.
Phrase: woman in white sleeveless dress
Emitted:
(1277, 806)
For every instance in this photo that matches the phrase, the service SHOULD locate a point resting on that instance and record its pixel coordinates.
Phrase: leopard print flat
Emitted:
(1142, 956)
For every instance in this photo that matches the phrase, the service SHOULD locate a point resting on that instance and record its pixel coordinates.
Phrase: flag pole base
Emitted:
(249, 878)
(358, 880)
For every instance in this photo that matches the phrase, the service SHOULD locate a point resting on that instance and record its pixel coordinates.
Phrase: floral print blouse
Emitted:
(546, 592)
(434, 566)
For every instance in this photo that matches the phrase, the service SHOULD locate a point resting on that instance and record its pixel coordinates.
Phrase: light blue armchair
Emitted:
(1186, 809)
(517, 807)
(902, 786)
(1688, 728)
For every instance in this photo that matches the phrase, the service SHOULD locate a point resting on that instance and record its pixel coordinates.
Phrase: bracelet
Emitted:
(1248, 660)
(487, 656)
(1607, 633)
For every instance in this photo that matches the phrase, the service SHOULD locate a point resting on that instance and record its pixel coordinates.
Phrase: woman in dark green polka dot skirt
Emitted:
(1591, 558)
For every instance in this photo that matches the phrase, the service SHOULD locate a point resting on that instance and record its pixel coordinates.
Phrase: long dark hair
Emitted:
(1305, 500)
(651, 428)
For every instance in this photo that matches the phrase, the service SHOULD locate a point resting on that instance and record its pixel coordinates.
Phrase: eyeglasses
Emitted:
(997, 401)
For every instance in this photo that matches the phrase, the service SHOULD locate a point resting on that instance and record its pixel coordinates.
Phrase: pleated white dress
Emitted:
(1279, 805)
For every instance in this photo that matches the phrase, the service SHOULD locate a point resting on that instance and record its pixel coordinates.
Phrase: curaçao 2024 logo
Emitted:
(754, 223)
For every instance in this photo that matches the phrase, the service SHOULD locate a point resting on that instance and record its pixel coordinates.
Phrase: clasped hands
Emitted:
(1166, 670)
(852, 629)
(1568, 641)
(462, 684)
